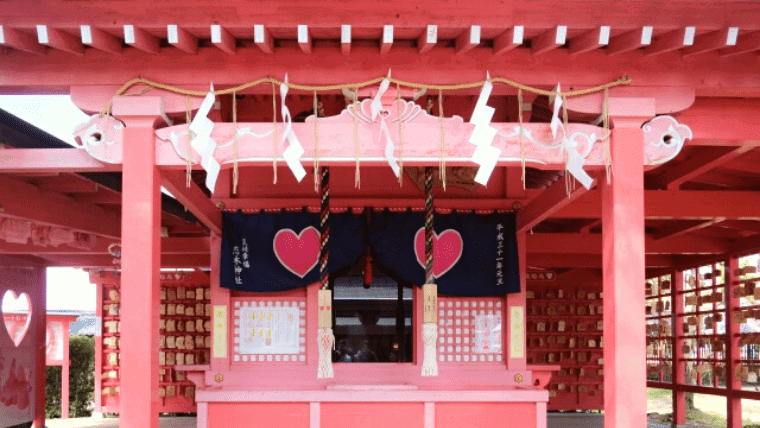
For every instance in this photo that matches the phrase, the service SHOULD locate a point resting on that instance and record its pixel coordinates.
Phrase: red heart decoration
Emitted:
(447, 250)
(17, 324)
(298, 253)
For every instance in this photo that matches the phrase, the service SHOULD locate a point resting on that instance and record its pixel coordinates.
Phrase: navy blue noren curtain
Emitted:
(260, 268)
(476, 255)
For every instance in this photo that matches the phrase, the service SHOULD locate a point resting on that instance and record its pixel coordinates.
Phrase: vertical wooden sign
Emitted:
(220, 331)
(325, 308)
(430, 303)
(517, 332)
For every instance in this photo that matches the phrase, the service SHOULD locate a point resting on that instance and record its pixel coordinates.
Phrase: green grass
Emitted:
(655, 393)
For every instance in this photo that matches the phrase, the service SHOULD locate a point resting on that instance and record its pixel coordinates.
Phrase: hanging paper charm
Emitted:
(574, 162)
(295, 150)
(200, 129)
(376, 108)
(482, 136)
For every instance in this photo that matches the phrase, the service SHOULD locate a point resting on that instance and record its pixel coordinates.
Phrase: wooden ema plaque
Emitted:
(325, 308)
(430, 303)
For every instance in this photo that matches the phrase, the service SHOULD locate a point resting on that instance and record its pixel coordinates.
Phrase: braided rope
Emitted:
(400, 140)
(625, 80)
(235, 169)
(274, 133)
(324, 227)
(429, 213)
(316, 143)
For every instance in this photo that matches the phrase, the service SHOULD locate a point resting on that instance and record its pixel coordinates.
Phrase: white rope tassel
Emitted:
(429, 338)
(326, 344)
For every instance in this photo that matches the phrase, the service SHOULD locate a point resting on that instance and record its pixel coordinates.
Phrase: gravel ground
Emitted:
(178, 422)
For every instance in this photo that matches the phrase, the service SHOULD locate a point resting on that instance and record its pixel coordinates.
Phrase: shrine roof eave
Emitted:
(704, 75)
(488, 13)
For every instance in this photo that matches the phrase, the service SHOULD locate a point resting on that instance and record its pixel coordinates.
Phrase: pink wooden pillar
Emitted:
(516, 353)
(679, 365)
(733, 349)
(220, 297)
(65, 372)
(40, 319)
(625, 400)
(98, 412)
(140, 263)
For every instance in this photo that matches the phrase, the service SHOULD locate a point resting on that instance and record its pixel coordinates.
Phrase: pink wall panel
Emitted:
(485, 415)
(372, 415)
(259, 415)
(21, 362)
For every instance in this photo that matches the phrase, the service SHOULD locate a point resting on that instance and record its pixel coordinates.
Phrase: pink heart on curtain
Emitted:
(447, 250)
(19, 307)
(298, 253)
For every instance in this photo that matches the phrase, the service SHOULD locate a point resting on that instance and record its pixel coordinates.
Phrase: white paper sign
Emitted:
(269, 330)
(487, 333)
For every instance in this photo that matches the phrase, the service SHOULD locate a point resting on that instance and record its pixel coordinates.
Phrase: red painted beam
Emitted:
(168, 261)
(686, 204)
(710, 125)
(20, 40)
(490, 13)
(543, 260)
(724, 38)
(549, 40)
(427, 39)
(66, 183)
(99, 39)
(745, 43)
(222, 39)
(571, 243)
(21, 161)
(233, 204)
(671, 41)
(684, 228)
(745, 245)
(345, 39)
(680, 173)
(387, 41)
(630, 41)
(546, 204)
(749, 226)
(304, 39)
(715, 78)
(60, 40)
(591, 40)
(103, 196)
(169, 246)
(24, 201)
(508, 40)
(193, 199)
(181, 39)
(263, 38)
(140, 39)
(468, 40)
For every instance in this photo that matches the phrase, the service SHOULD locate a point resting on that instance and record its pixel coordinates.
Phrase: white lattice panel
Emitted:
(300, 357)
(457, 330)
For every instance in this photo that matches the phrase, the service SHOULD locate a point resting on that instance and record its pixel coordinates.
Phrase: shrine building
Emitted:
(413, 214)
